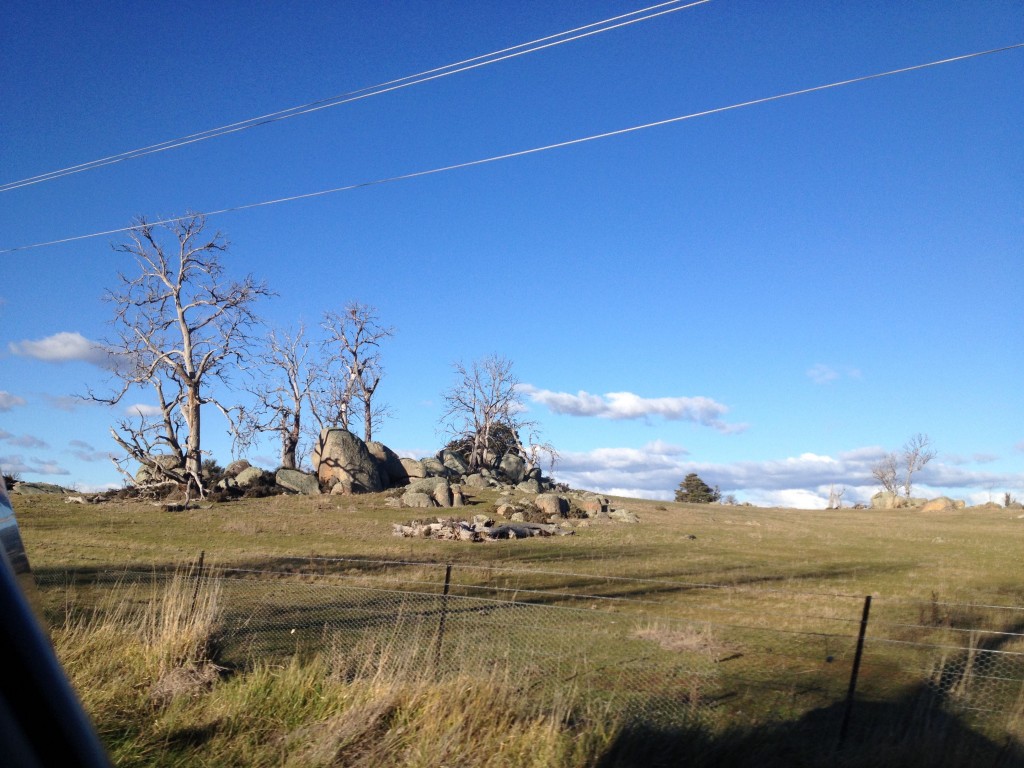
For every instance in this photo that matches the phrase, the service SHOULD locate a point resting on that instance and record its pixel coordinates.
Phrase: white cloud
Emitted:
(9, 401)
(83, 451)
(22, 441)
(627, 405)
(820, 373)
(61, 348)
(142, 409)
(66, 402)
(18, 464)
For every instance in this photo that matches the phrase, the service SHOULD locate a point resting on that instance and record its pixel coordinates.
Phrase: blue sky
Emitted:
(770, 296)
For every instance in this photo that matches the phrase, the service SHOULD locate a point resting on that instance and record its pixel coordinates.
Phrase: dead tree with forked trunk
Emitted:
(352, 369)
(287, 381)
(181, 326)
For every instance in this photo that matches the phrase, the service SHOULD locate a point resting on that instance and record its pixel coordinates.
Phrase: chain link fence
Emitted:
(656, 651)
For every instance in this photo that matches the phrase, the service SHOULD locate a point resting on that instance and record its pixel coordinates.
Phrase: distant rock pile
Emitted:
(889, 500)
(481, 528)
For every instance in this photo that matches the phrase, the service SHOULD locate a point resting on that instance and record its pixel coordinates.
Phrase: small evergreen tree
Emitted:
(696, 491)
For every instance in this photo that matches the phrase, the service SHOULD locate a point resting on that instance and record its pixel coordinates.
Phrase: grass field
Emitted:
(766, 599)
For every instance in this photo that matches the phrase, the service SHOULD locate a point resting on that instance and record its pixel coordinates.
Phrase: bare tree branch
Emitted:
(352, 369)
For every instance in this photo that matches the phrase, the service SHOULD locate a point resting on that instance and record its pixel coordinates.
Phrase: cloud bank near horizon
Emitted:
(655, 470)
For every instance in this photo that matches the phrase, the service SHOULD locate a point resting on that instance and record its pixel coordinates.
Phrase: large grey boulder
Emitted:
(513, 467)
(389, 466)
(147, 474)
(623, 516)
(299, 482)
(236, 467)
(433, 467)
(417, 499)
(413, 468)
(454, 461)
(476, 481)
(592, 504)
(437, 488)
(551, 505)
(529, 486)
(340, 456)
(941, 504)
(249, 476)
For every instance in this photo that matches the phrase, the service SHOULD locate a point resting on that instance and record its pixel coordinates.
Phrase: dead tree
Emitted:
(917, 452)
(181, 326)
(896, 470)
(288, 378)
(886, 472)
(485, 407)
(352, 370)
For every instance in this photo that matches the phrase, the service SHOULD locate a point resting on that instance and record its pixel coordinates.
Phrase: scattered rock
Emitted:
(417, 500)
(434, 468)
(623, 516)
(551, 504)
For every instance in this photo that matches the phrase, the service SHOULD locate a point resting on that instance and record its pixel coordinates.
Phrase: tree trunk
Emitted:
(193, 453)
(367, 420)
(289, 444)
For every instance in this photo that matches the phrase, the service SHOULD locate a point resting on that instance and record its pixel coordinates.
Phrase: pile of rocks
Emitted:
(481, 528)
(345, 464)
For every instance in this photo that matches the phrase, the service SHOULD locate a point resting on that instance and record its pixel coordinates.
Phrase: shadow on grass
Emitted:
(915, 730)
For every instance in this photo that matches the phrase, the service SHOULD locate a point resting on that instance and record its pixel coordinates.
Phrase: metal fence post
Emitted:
(199, 576)
(852, 690)
(444, 613)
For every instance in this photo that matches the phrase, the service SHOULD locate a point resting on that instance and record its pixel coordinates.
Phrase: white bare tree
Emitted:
(181, 326)
(886, 471)
(896, 470)
(917, 452)
(484, 410)
(352, 370)
(281, 393)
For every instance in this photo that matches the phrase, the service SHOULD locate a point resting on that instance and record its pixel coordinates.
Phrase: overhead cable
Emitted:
(524, 152)
(483, 60)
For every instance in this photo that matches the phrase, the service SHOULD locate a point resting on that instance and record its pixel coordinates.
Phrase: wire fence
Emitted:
(657, 651)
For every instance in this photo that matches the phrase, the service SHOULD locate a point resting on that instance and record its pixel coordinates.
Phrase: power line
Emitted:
(531, 151)
(522, 49)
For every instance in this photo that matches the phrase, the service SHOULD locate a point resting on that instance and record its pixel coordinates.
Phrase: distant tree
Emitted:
(896, 470)
(696, 491)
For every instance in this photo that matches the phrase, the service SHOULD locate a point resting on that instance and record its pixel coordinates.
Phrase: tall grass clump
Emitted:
(140, 649)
